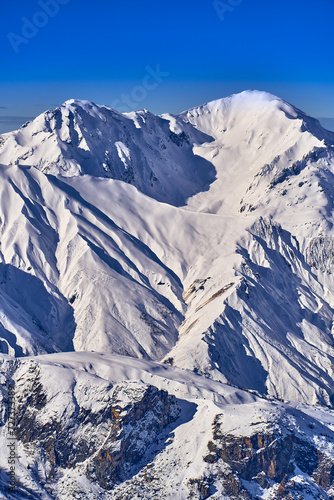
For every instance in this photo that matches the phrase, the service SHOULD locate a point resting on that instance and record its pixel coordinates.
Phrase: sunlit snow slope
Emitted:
(203, 239)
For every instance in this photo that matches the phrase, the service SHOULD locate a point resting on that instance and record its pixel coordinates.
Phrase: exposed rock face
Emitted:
(138, 413)
(104, 443)
(320, 254)
(269, 458)
(110, 428)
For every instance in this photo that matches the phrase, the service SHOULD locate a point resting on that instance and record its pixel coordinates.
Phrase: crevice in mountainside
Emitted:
(217, 294)
(320, 253)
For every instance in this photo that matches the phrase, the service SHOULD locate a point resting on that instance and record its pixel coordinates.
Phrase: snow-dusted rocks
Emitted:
(70, 419)
(111, 427)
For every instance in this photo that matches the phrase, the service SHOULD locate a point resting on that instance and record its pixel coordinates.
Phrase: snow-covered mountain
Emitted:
(147, 151)
(202, 240)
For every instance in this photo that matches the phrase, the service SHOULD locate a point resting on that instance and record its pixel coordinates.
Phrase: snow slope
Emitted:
(203, 239)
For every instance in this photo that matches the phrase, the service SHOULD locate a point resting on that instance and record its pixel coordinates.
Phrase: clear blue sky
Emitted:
(101, 51)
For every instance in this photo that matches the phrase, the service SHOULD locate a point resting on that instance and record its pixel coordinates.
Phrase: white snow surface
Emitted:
(204, 239)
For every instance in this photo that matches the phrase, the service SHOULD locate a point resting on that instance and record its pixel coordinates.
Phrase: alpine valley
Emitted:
(167, 303)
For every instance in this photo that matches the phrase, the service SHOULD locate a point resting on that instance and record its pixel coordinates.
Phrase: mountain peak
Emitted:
(248, 101)
(253, 109)
(82, 103)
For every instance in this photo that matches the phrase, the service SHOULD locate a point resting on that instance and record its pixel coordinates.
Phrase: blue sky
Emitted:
(164, 56)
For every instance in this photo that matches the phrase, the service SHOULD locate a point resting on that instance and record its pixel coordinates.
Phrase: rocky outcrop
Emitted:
(105, 443)
(269, 458)
(320, 253)
(134, 426)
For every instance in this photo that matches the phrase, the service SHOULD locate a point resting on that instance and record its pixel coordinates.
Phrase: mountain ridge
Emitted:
(194, 254)
(122, 243)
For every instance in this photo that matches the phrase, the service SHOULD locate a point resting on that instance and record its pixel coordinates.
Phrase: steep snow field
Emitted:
(235, 283)
(202, 240)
